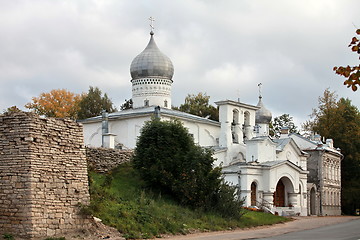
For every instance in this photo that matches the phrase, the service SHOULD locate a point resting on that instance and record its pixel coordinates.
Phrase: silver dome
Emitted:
(151, 63)
(262, 115)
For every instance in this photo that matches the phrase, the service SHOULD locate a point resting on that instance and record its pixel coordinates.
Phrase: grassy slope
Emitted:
(119, 200)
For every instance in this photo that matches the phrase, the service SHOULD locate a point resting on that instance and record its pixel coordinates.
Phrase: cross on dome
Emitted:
(152, 20)
(259, 85)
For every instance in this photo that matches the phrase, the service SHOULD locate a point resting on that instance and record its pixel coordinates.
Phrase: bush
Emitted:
(8, 236)
(168, 160)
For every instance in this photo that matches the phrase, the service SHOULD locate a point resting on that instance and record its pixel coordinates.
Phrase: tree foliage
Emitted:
(93, 103)
(12, 109)
(58, 103)
(128, 104)
(321, 116)
(351, 73)
(169, 161)
(340, 120)
(199, 105)
(279, 122)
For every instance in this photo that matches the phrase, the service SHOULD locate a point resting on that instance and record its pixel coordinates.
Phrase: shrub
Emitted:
(168, 160)
(8, 236)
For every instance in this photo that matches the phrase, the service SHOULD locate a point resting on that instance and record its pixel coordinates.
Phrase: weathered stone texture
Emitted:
(104, 159)
(43, 175)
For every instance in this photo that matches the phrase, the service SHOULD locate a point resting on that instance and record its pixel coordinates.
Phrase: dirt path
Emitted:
(299, 223)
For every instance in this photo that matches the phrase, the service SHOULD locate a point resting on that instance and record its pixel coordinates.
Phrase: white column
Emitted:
(109, 140)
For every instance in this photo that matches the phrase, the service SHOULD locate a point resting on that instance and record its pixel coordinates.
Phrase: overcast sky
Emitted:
(223, 48)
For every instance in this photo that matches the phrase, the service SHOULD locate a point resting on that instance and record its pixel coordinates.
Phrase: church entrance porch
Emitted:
(285, 199)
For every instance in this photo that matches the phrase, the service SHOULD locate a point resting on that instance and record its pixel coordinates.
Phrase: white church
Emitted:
(270, 173)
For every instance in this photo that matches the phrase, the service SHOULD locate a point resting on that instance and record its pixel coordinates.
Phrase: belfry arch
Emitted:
(235, 126)
(246, 126)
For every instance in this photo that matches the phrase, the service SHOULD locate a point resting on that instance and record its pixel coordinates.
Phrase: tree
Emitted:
(93, 103)
(12, 109)
(58, 103)
(199, 105)
(321, 116)
(128, 104)
(352, 74)
(340, 120)
(168, 160)
(279, 122)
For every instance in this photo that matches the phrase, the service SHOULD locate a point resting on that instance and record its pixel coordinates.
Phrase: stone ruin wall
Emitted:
(103, 160)
(43, 176)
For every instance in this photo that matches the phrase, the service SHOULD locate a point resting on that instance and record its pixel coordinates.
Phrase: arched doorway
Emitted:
(312, 201)
(279, 194)
(253, 193)
(284, 195)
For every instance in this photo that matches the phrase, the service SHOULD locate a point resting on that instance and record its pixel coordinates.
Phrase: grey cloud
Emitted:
(222, 49)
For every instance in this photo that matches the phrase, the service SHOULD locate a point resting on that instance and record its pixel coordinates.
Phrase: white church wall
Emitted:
(92, 134)
(289, 153)
(260, 150)
(250, 174)
(235, 153)
(303, 162)
(225, 119)
(205, 135)
(127, 130)
(219, 157)
(303, 195)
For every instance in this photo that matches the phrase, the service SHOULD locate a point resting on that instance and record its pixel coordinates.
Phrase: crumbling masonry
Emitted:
(43, 176)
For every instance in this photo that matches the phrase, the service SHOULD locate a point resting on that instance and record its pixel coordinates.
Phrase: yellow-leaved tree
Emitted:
(351, 73)
(58, 103)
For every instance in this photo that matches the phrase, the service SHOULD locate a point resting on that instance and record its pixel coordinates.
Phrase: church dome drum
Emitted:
(151, 63)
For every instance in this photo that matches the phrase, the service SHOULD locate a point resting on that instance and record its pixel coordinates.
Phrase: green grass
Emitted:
(119, 199)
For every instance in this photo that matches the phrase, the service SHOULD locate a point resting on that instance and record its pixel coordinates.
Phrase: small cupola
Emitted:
(263, 115)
